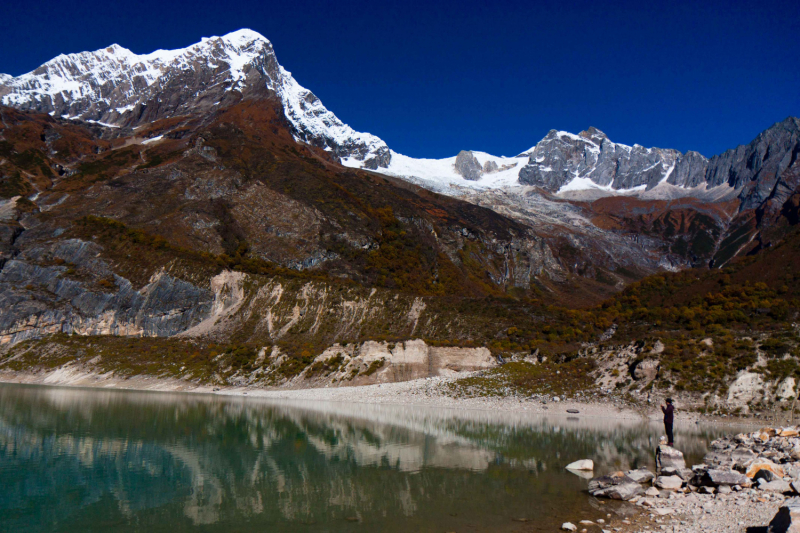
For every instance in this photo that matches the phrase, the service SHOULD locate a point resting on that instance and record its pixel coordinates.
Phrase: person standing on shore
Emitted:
(669, 418)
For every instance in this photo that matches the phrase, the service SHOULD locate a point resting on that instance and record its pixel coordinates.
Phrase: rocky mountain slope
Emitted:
(125, 235)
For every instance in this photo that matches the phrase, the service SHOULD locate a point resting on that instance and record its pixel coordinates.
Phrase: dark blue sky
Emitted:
(437, 76)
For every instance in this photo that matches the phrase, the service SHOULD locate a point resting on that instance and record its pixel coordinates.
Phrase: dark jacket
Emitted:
(668, 413)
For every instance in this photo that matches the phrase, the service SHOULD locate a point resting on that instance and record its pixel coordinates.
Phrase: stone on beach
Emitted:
(583, 464)
(641, 475)
(743, 457)
(667, 456)
(668, 482)
(765, 464)
(778, 485)
(616, 486)
(569, 526)
(716, 478)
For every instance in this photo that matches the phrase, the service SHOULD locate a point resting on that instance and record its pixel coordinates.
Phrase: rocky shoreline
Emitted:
(748, 482)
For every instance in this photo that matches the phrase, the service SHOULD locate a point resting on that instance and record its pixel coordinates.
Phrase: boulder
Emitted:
(743, 457)
(716, 478)
(652, 492)
(624, 492)
(667, 456)
(668, 482)
(778, 485)
(569, 526)
(719, 459)
(764, 464)
(790, 432)
(583, 464)
(616, 486)
(603, 482)
(642, 475)
(646, 370)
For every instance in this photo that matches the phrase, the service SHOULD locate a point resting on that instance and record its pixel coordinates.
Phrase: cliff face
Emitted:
(65, 287)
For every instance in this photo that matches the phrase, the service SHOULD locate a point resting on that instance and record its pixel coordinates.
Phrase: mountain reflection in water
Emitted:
(77, 460)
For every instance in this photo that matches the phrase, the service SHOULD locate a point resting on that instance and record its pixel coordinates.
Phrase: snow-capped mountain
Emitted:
(589, 164)
(115, 87)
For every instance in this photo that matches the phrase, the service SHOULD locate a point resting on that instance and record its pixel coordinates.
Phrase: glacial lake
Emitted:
(100, 460)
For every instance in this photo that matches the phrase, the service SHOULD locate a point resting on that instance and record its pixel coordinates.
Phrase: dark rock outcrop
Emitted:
(37, 299)
(468, 166)
(490, 167)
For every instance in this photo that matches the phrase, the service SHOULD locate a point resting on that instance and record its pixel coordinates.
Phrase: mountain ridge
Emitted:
(115, 87)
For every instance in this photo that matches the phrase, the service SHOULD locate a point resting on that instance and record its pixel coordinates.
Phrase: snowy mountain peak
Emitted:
(241, 38)
(114, 86)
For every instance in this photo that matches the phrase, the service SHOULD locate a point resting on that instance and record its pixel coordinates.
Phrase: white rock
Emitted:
(747, 386)
(569, 526)
(786, 389)
(583, 464)
(668, 482)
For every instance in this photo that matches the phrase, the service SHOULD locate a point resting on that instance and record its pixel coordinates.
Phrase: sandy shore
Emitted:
(427, 392)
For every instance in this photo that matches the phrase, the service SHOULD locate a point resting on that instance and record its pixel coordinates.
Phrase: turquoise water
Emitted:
(97, 460)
